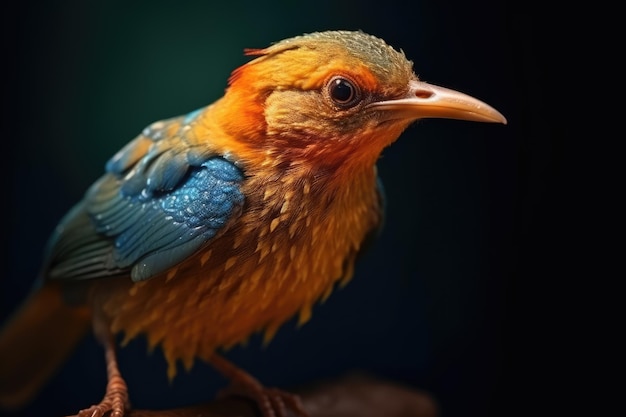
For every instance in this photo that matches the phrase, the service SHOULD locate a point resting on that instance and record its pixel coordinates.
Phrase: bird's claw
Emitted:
(115, 404)
(100, 410)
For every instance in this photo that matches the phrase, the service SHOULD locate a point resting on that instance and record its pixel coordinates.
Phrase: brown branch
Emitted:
(351, 396)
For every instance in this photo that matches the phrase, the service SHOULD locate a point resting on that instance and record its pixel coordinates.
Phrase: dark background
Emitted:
(452, 299)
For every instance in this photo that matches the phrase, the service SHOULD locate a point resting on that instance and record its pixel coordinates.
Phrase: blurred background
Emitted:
(448, 300)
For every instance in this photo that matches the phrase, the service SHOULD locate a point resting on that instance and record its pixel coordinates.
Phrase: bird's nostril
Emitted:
(423, 94)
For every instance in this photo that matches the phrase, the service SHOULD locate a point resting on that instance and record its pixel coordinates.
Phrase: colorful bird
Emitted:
(229, 220)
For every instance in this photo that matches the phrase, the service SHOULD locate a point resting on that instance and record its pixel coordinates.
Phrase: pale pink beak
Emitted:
(431, 101)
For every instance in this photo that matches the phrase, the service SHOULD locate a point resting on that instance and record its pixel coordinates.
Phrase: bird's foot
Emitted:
(115, 403)
(272, 402)
(100, 410)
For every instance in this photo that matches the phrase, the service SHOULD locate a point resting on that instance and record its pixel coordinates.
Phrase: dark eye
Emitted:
(343, 92)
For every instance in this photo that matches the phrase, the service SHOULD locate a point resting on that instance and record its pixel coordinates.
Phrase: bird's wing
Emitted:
(160, 201)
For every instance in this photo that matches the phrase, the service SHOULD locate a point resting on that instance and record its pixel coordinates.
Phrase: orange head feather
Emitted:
(283, 101)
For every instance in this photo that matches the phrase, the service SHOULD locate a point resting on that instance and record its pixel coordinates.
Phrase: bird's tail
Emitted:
(35, 342)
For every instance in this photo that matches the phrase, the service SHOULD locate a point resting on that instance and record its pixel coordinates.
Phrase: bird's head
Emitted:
(335, 97)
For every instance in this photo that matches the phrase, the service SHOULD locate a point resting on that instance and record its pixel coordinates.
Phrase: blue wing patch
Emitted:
(161, 200)
(154, 230)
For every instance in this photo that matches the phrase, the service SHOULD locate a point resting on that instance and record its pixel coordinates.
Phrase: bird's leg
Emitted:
(271, 401)
(115, 398)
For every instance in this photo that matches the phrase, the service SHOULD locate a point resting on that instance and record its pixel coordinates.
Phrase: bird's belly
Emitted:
(211, 301)
(278, 259)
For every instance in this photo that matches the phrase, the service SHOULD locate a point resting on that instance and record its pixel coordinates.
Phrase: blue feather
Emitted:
(150, 211)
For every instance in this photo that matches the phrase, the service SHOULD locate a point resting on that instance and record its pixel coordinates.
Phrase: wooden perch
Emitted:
(351, 396)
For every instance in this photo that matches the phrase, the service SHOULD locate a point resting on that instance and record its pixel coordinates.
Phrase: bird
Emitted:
(228, 220)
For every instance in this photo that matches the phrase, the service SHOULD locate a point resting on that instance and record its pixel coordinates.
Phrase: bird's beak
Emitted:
(429, 101)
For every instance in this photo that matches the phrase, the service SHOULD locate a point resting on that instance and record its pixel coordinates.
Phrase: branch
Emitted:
(350, 396)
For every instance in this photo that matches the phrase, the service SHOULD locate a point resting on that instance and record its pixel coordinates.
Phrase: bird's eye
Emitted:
(343, 92)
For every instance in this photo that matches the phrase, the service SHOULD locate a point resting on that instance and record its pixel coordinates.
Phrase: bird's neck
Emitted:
(241, 131)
